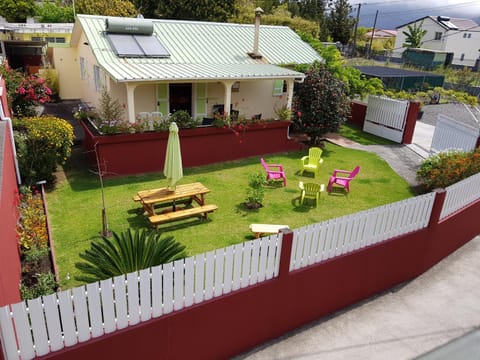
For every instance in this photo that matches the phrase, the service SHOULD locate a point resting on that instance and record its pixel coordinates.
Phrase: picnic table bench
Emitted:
(260, 229)
(185, 193)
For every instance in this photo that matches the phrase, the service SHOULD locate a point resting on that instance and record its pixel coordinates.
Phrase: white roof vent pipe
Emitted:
(256, 54)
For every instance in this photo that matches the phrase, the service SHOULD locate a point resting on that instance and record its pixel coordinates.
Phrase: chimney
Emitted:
(255, 54)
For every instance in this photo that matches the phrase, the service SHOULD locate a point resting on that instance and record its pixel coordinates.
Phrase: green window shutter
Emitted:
(277, 87)
(201, 100)
(162, 99)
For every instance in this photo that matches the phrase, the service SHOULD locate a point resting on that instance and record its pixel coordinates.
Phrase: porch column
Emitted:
(290, 84)
(227, 100)
(131, 102)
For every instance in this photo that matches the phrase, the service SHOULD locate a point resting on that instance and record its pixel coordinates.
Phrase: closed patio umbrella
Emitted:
(173, 158)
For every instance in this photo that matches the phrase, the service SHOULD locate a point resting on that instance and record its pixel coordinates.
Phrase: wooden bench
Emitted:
(260, 229)
(181, 214)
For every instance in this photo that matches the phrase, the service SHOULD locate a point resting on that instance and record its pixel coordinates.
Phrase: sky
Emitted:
(393, 13)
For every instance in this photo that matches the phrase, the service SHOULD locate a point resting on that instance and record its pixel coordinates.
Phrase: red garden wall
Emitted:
(10, 271)
(126, 154)
(230, 324)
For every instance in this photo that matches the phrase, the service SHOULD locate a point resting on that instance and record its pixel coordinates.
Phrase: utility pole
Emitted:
(355, 30)
(373, 33)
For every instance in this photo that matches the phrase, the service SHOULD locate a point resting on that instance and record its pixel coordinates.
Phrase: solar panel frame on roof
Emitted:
(151, 46)
(128, 45)
(125, 45)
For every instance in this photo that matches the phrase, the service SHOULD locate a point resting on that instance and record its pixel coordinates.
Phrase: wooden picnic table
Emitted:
(161, 196)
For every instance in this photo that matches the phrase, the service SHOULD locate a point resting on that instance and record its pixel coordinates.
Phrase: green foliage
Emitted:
(357, 85)
(183, 119)
(447, 168)
(280, 15)
(428, 96)
(203, 10)
(414, 35)
(17, 10)
(53, 12)
(255, 190)
(127, 252)
(106, 7)
(51, 80)
(461, 79)
(45, 285)
(42, 143)
(321, 103)
(339, 21)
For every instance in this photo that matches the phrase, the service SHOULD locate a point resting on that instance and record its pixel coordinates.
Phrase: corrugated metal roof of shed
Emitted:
(202, 50)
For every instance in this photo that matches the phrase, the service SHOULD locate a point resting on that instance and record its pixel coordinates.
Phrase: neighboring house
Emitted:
(458, 36)
(166, 65)
(27, 46)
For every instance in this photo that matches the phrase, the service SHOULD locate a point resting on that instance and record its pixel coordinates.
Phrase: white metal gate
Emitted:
(386, 117)
(450, 134)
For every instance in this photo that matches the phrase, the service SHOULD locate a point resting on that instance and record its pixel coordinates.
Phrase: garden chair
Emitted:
(312, 161)
(342, 180)
(274, 172)
(310, 191)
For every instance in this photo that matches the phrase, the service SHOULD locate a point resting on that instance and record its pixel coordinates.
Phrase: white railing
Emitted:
(460, 195)
(39, 326)
(386, 117)
(325, 240)
(452, 135)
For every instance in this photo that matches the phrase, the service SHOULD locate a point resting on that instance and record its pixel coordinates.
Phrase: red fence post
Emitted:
(440, 195)
(412, 115)
(286, 252)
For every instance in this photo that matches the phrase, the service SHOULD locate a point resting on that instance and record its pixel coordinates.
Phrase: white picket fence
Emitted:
(460, 195)
(450, 134)
(325, 240)
(386, 117)
(40, 326)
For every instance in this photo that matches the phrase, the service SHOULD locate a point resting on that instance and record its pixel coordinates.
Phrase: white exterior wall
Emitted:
(460, 43)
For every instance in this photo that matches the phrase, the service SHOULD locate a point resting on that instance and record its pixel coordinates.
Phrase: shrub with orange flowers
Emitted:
(31, 228)
(447, 168)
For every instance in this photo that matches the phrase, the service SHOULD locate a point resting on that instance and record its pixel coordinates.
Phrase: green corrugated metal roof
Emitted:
(203, 50)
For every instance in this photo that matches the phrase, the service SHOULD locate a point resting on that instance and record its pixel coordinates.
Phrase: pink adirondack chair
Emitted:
(343, 179)
(274, 172)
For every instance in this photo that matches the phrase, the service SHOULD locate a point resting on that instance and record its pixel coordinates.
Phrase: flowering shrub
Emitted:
(321, 103)
(42, 143)
(31, 227)
(447, 168)
(25, 92)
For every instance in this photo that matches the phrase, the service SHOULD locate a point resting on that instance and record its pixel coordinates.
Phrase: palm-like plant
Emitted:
(414, 35)
(127, 252)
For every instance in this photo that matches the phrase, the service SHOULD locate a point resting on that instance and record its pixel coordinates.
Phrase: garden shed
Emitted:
(401, 79)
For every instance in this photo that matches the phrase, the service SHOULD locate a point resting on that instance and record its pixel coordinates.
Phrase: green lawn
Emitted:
(75, 205)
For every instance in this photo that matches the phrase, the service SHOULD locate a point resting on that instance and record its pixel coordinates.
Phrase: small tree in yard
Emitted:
(321, 103)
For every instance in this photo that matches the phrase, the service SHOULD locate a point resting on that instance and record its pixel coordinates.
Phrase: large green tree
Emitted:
(17, 10)
(54, 12)
(105, 7)
(203, 10)
(414, 35)
(339, 21)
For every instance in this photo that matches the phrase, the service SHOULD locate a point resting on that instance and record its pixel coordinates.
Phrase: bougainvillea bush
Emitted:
(447, 168)
(42, 144)
(321, 104)
(24, 92)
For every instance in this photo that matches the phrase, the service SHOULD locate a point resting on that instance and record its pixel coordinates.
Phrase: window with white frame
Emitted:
(278, 87)
(83, 68)
(438, 35)
(97, 78)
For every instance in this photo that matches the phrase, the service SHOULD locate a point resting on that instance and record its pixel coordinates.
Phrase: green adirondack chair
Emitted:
(310, 191)
(311, 162)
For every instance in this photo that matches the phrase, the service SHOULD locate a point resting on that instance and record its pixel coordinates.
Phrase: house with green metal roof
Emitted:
(169, 65)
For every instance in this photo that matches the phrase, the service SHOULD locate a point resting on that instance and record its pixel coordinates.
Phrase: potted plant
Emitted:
(255, 191)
